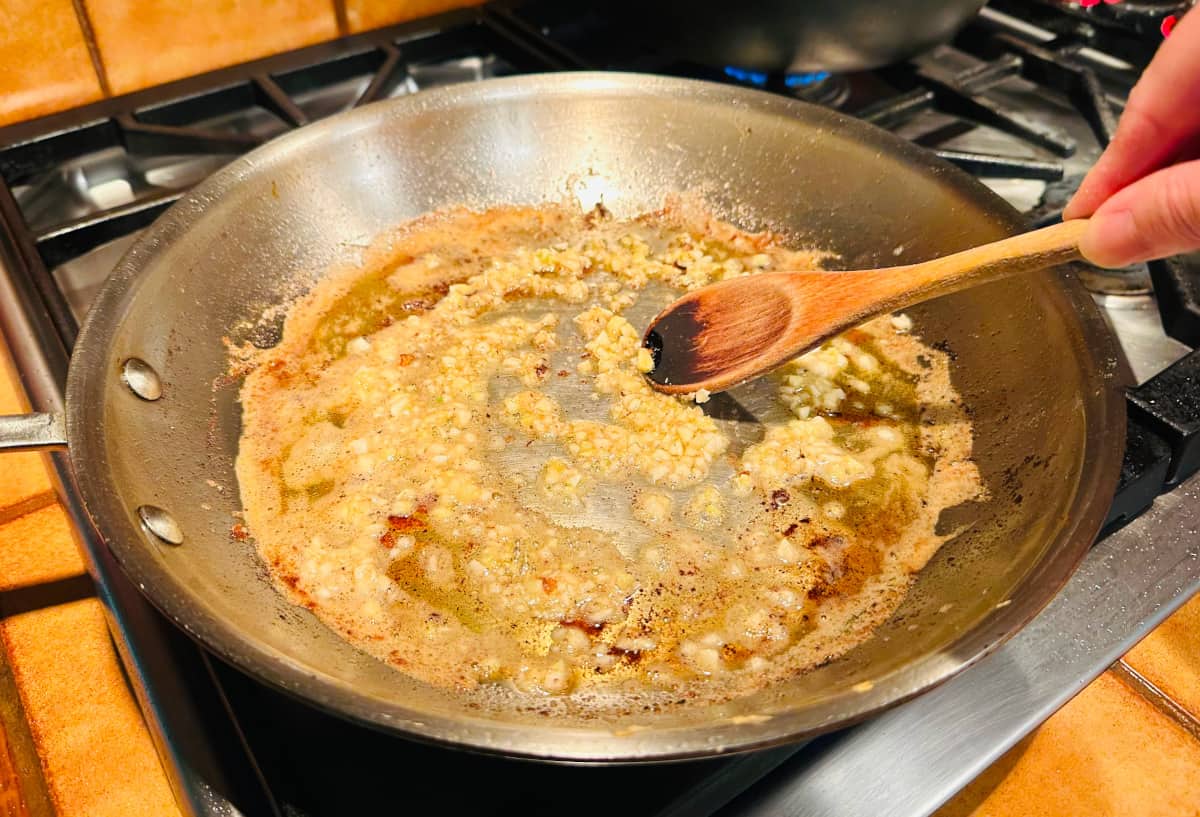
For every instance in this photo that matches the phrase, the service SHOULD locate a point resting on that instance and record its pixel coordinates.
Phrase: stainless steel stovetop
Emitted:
(1045, 79)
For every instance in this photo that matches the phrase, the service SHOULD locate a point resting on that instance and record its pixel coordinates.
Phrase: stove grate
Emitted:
(1177, 284)
(1169, 405)
(221, 115)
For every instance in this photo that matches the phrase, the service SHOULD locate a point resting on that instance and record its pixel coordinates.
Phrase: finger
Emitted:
(1154, 217)
(1140, 153)
(1160, 124)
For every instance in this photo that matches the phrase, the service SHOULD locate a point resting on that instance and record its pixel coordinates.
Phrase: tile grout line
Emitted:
(93, 46)
(342, 16)
(16, 730)
(10, 781)
(29, 598)
(11, 513)
(1164, 703)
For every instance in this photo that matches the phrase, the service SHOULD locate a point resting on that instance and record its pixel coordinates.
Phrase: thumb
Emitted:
(1156, 216)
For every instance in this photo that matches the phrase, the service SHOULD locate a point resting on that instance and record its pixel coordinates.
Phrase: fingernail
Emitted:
(1112, 240)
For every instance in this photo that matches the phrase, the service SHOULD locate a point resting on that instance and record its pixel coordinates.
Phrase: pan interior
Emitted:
(1030, 361)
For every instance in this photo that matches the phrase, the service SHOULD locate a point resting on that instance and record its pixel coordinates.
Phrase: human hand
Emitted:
(1143, 195)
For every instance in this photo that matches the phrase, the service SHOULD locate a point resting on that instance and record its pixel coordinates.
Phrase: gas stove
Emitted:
(1025, 98)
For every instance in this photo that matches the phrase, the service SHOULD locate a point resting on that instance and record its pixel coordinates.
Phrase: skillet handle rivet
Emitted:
(141, 379)
(161, 524)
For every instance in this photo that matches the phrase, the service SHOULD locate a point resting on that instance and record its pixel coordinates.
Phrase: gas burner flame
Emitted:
(756, 78)
(759, 79)
(805, 79)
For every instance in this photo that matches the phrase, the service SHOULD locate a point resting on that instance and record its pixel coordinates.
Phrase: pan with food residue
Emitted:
(1002, 397)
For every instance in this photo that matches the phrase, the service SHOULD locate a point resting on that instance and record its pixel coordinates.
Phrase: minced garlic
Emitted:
(455, 460)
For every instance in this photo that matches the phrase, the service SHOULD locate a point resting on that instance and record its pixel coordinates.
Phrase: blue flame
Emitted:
(755, 78)
(805, 79)
(759, 78)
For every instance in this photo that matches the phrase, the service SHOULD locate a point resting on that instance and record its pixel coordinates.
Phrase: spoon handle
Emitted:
(1026, 252)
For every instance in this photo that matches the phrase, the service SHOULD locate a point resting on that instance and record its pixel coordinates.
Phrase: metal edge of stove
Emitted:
(206, 761)
(1128, 583)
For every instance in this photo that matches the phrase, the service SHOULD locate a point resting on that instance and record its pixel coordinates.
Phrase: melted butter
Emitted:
(448, 598)
(370, 305)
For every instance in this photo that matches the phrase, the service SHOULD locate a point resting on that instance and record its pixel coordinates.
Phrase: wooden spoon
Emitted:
(735, 330)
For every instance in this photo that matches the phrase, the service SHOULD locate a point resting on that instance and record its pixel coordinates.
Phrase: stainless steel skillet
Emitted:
(1032, 359)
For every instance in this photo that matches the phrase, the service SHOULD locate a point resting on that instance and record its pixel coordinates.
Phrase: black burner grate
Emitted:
(1177, 283)
(226, 113)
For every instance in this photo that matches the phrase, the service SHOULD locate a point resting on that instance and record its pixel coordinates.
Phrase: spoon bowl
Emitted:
(726, 333)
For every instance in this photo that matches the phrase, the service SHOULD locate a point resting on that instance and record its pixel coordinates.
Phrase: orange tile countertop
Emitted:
(73, 744)
(72, 740)
(61, 53)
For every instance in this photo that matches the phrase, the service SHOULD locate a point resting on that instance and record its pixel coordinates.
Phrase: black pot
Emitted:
(800, 35)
